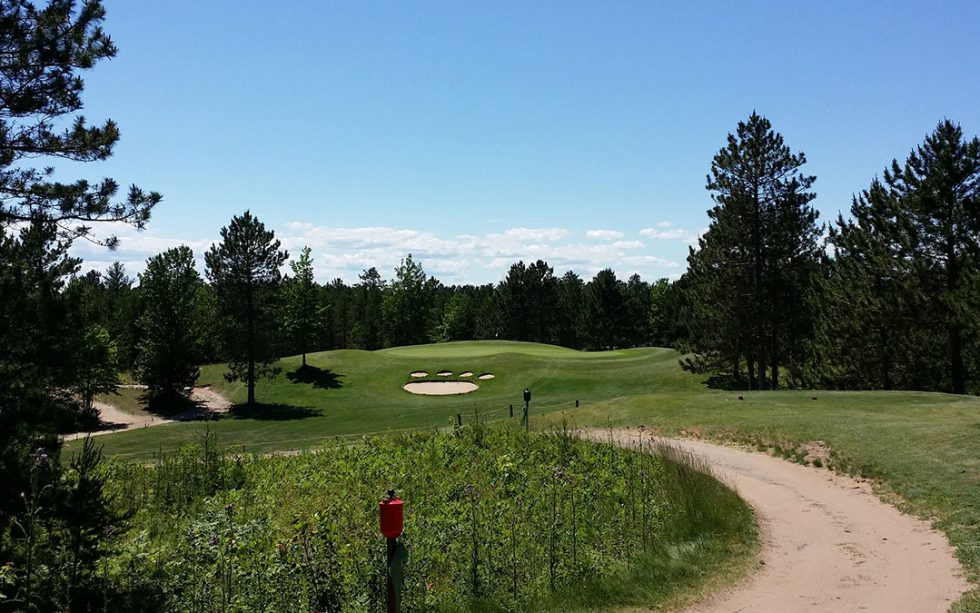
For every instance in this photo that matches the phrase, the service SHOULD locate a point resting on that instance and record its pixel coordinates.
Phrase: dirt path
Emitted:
(209, 402)
(827, 542)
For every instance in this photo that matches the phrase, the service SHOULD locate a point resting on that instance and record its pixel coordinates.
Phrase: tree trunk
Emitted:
(751, 366)
(250, 377)
(956, 367)
(304, 359)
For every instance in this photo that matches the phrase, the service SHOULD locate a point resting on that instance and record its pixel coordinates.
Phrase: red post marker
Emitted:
(391, 511)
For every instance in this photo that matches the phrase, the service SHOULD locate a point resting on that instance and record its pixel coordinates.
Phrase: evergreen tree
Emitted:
(41, 53)
(407, 306)
(244, 270)
(458, 318)
(907, 263)
(604, 311)
(96, 369)
(636, 320)
(368, 331)
(571, 311)
(301, 309)
(754, 266)
(528, 300)
(171, 325)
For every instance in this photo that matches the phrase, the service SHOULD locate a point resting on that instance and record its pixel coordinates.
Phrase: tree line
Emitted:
(245, 312)
(887, 299)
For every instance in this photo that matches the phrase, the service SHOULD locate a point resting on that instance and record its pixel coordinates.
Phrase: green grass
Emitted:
(126, 399)
(921, 448)
(360, 392)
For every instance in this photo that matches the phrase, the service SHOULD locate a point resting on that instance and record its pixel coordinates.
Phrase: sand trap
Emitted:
(486, 376)
(466, 374)
(418, 374)
(444, 373)
(440, 388)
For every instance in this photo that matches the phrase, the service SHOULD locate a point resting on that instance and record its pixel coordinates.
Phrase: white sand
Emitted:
(444, 373)
(486, 376)
(466, 374)
(418, 374)
(440, 388)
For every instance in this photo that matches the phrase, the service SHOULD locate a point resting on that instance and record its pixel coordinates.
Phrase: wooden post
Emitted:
(459, 419)
(392, 546)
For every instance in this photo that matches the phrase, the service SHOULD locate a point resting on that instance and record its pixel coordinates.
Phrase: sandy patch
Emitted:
(827, 542)
(486, 376)
(466, 374)
(444, 373)
(440, 388)
(815, 452)
(418, 374)
(111, 419)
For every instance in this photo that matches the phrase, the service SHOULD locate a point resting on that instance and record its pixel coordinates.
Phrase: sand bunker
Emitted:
(444, 373)
(486, 376)
(418, 374)
(466, 374)
(440, 388)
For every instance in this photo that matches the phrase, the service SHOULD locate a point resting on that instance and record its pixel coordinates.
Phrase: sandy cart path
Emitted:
(827, 542)
(112, 419)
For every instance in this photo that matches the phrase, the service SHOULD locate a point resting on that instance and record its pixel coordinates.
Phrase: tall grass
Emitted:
(496, 519)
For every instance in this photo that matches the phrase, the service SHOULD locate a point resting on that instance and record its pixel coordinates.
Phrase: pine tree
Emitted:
(301, 308)
(41, 53)
(170, 326)
(244, 270)
(528, 301)
(367, 331)
(754, 265)
(909, 262)
(407, 306)
(605, 311)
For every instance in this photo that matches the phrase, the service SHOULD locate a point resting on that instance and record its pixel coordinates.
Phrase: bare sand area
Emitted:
(111, 419)
(440, 388)
(486, 376)
(827, 542)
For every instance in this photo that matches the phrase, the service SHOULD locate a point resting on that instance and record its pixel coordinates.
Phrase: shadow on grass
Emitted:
(272, 412)
(725, 381)
(320, 378)
(170, 406)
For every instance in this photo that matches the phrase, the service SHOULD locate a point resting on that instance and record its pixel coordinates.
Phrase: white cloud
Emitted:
(628, 245)
(603, 234)
(463, 258)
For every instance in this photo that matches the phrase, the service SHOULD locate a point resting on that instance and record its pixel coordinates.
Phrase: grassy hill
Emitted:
(358, 392)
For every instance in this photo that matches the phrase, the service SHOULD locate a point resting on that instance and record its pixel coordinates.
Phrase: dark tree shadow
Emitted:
(169, 406)
(725, 381)
(320, 378)
(272, 412)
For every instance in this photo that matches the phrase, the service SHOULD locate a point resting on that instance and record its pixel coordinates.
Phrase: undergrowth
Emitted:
(496, 519)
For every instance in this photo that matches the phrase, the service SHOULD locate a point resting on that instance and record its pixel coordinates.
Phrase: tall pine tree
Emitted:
(753, 267)
(244, 270)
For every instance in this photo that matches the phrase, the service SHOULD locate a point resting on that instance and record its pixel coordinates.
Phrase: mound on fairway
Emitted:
(440, 388)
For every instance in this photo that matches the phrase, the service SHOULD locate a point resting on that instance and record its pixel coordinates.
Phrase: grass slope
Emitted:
(359, 392)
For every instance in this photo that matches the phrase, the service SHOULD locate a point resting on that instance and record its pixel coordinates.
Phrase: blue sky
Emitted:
(476, 134)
